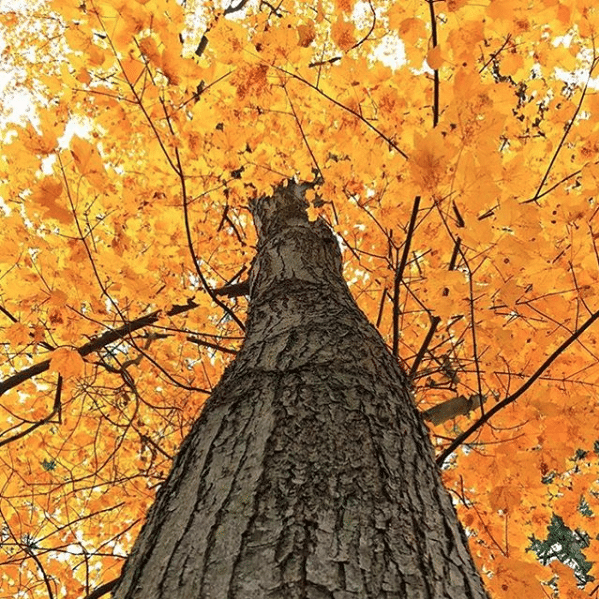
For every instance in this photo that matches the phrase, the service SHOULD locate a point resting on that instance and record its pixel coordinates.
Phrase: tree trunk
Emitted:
(309, 473)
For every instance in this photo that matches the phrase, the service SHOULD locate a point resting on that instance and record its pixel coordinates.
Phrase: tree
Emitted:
(309, 472)
(459, 179)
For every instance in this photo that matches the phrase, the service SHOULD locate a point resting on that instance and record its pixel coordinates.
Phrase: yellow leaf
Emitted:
(429, 162)
(78, 40)
(68, 10)
(511, 64)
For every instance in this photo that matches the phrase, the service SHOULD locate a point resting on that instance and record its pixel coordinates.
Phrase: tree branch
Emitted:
(103, 589)
(399, 274)
(514, 396)
(99, 342)
(435, 71)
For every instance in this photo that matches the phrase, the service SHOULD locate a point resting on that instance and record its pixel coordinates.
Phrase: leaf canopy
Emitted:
(135, 134)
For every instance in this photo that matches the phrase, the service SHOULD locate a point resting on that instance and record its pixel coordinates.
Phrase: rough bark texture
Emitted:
(309, 473)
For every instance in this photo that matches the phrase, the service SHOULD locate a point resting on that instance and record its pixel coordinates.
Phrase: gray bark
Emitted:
(309, 473)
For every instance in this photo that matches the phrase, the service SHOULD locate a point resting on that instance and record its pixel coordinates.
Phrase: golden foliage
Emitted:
(122, 200)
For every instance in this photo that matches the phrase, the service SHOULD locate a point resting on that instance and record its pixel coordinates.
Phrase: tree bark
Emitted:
(309, 474)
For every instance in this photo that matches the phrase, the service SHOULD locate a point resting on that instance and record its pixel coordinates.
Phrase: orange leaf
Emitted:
(411, 30)
(132, 69)
(345, 6)
(88, 161)
(149, 49)
(67, 362)
(307, 33)
(504, 498)
(342, 33)
(43, 144)
(17, 333)
(46, 193)
(434, 58)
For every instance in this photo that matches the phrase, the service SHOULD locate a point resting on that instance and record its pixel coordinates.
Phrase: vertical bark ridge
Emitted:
(309, 474)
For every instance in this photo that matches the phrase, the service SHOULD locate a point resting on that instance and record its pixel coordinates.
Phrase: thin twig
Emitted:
(399, 274)
(514, 396)
(435, 71)
(107, 338)
(562, 142)
(353, 112)
(414, 369)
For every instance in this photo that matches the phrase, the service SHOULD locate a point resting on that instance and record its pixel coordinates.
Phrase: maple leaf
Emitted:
(46, 194)
(88, 161)
(343, 35)
(67, 362)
